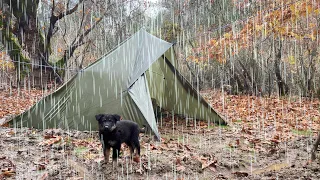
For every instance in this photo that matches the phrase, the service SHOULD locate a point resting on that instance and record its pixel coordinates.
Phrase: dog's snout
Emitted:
(106, 126)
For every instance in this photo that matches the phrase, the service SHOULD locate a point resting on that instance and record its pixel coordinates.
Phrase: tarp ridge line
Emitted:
(135, 63)
(106, 54)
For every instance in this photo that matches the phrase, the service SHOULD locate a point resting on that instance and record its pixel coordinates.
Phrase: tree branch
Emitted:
(76, 43)
(70, 11)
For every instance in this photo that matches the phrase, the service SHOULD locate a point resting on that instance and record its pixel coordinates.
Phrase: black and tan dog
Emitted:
(113, 133)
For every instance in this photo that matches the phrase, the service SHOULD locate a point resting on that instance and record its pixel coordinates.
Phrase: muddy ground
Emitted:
(186, 151)
(267, 138)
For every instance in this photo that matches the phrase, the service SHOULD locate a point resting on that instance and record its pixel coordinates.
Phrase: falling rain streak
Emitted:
(221, 83)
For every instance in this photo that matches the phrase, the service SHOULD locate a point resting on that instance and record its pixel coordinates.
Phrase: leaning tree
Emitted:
(51, 36)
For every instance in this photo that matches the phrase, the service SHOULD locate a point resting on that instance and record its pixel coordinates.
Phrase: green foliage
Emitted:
(224, 126)
(302, 132)
(80, 150)
(16, 53)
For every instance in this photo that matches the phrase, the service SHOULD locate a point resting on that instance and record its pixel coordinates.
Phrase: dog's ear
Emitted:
(117, 117)
(98, 116)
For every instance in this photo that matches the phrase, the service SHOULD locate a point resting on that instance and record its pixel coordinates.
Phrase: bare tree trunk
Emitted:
(246, 78)
(238, 81)
(194, 75)
(312, 70)
(29, 38)
(283, 87)
(315, 147)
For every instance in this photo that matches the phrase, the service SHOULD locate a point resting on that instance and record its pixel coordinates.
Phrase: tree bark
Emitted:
(312, 69)
(29, 35)
(315, 147)
(283, 87)
(20, 33)
(246, 78)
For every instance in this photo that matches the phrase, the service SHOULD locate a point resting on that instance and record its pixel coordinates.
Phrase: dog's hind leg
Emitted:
(138, 149)
(136, 145)
(131, 147)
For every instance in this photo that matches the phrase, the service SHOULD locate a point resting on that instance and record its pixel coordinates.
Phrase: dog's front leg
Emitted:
(116, 152)
(106, 153)
(105, 148)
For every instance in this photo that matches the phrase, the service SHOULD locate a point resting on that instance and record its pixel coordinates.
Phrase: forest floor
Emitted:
(266, 138)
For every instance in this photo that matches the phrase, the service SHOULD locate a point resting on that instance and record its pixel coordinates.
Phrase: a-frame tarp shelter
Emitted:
(121, 82)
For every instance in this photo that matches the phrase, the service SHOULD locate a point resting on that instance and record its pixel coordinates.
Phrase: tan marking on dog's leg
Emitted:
(106, 155)
(135, 156)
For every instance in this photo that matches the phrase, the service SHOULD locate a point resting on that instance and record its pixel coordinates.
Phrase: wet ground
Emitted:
(267, 138)
(186, 151)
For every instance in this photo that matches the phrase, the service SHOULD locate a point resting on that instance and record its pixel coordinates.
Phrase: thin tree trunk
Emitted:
(283, 87)
(315, 147)
(246, 79)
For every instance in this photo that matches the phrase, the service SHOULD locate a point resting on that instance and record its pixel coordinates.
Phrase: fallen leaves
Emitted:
(7, 173)
(50, 140)
(16, 102)
(90, 144)
(210, 164)
(181, 168)
(273, 167)
(206, 162)
(11, 132)
(7, 168)
(258, 123)
(261, 119)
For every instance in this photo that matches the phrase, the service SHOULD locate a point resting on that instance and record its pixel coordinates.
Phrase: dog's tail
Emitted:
(142, 130)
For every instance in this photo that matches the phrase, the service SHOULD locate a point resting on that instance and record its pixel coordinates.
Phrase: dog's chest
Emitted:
(111, 139)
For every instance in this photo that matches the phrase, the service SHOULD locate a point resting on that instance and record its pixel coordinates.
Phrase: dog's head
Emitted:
(107, 122)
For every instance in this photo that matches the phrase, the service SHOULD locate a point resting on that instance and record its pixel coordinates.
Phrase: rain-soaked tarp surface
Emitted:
(117, 83)
(173, 92)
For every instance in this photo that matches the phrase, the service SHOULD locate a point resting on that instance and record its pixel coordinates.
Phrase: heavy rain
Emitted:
(159, 89)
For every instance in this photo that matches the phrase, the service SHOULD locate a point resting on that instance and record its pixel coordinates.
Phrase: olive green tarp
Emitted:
(121, 82)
